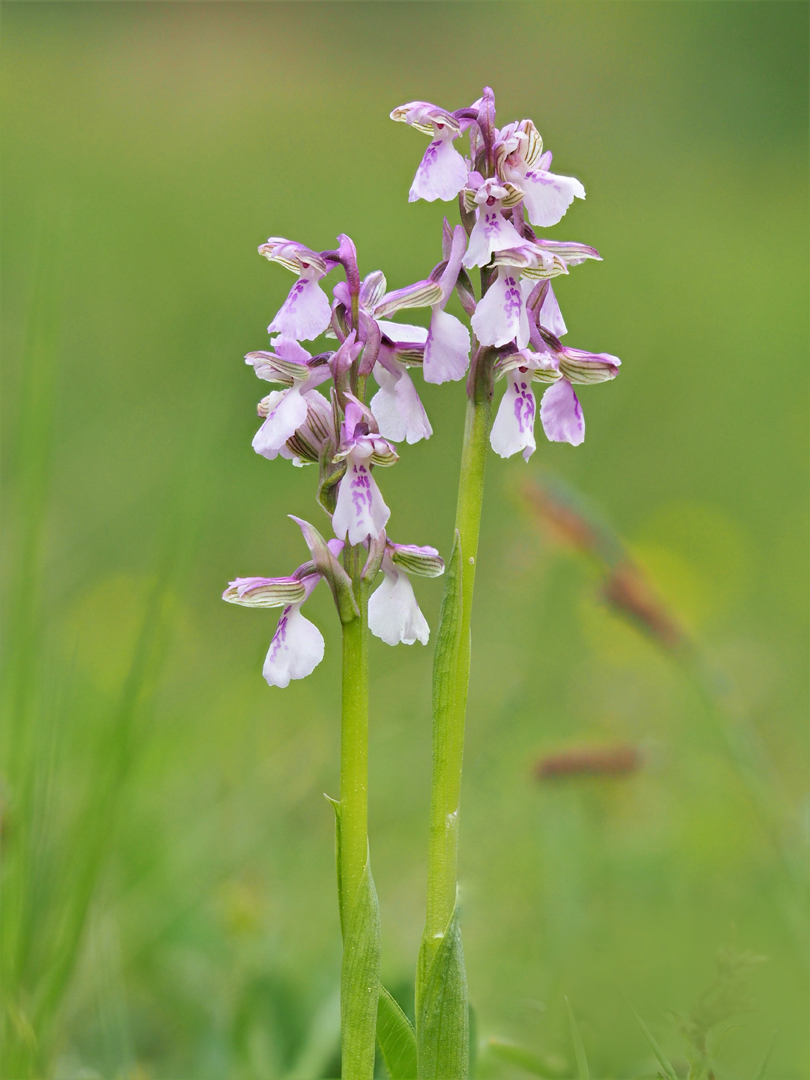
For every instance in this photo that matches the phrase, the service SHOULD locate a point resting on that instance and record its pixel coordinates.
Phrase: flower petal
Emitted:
(396, 406)
(501, 314)
(447, 350)
(424, 561)
(296, 649)
(492, 232)
(513, 430)
(561, 414)
(393, 613)
(305, 313)
(287, 413)
(550, 315)
(548, 196)
(424, 293)
(360, 511)
(402, 332)
(265, 592)
(442, 172)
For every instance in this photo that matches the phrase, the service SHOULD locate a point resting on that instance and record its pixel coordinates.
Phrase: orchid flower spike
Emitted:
(520, 160)
(360, 511)
(305, 313)
(393, 613)
(442, 172)
(286, 410)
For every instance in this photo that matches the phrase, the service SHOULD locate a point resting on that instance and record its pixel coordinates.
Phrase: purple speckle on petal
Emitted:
(512, 301)
(361, 491)
(524, 407)
(280, 635)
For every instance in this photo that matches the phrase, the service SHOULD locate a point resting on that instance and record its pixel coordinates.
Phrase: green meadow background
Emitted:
(169, 907)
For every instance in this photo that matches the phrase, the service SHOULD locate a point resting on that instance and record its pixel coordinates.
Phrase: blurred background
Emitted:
(169, 906)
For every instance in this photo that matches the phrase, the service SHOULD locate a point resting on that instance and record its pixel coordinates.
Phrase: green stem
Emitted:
(359, 913)
(354, 740)
(448, 727)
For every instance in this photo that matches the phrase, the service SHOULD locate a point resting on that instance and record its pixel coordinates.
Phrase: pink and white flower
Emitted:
(285, 410)
(520, 159)
(501, 315)
(442, 173)
(393, 613)
(492, 230)
(396, 406)
(513, 430)
(560, 410)
(360, 511)
(306, 312)
(447, 349)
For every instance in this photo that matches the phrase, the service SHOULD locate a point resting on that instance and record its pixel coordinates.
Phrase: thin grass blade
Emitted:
(762, 1071)
(583, 1072)
(661, 1057)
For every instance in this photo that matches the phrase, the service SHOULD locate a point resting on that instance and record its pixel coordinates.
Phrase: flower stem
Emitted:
(448, 725)
(359, 913)
(354, 739)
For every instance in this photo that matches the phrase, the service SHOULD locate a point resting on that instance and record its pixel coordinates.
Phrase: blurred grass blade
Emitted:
(443, 1022)
(322, 1041)
(583, 1072)
(397, 1038)
(661, 1057)
(360, 982)
(762, 1071)
(525, 1059)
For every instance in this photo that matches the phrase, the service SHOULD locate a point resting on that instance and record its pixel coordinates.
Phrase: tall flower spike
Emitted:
(306, 312)
(286, 409)
(360, 511)
(520, 159)
(447, 349)
(393, 613)
(442, 172)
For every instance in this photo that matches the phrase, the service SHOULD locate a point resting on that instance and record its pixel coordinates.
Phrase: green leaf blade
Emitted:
(396, 1037)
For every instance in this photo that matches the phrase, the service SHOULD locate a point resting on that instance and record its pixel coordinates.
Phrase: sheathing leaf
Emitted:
(443, 1022)
(360, 982)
